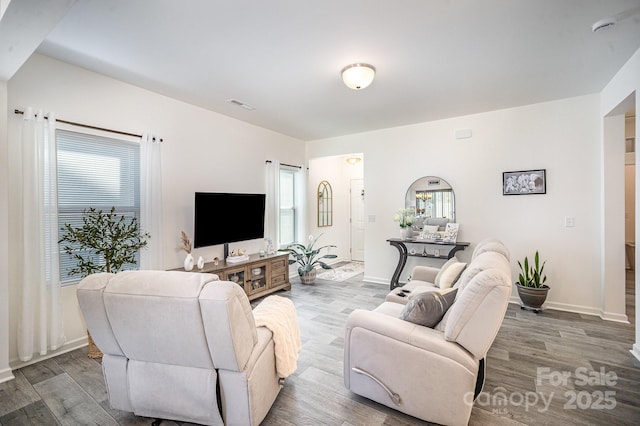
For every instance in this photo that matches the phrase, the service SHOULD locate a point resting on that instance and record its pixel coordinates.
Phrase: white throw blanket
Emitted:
(279, 315)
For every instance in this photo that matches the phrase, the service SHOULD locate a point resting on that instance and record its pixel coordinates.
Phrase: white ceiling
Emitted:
(434, 58)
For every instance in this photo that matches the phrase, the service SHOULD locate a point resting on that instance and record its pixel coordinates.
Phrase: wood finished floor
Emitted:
(69, 389)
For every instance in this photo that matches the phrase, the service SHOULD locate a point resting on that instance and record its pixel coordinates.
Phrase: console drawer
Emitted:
(279, 264)
(278, 279)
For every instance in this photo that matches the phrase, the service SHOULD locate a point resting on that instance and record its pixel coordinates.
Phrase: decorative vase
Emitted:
(308, 277)
(200, 263)
(532, 297)
(405, 232)
(188, 262)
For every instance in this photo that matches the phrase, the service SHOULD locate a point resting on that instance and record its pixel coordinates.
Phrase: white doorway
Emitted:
(630, 210)
(614, 247)
(357, 219)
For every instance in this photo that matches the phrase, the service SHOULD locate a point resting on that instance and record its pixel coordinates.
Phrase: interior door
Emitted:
(357, 220)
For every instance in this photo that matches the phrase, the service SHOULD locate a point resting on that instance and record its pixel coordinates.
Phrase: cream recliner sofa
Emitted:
(425, 278)
(433, 374)
(180, 346)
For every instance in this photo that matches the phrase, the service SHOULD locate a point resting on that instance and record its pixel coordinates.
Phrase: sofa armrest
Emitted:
(425, 273)
(415, 335)
(408, 367)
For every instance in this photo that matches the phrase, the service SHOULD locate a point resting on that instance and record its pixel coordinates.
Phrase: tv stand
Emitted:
(259, 276)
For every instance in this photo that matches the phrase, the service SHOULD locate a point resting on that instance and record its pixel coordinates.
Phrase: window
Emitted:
(287, 215)
(97, 172)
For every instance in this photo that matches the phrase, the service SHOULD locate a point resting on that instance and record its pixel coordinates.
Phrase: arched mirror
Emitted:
(325, 204)
(433, 202)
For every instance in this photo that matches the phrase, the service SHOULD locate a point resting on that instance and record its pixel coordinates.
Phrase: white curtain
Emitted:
(40, 327)
(272, 215)
(272, 220)
(151, 200)
(300, 183)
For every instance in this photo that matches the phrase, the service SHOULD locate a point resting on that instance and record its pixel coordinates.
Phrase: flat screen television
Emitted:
(223, 218)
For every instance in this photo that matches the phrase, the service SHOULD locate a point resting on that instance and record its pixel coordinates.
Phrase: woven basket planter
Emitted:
(308, 277)
(94, 352)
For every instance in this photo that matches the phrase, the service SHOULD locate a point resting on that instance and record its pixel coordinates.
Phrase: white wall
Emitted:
(625, 86)
(560, 136)
(5, 371)
(202, 151)
(339, 174)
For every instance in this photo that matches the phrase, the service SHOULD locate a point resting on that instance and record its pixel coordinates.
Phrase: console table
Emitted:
(445, 251)
(258, 276)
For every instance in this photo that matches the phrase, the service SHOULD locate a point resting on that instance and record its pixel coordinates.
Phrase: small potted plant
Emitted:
(308, 258)
(405, 218)
(531, 284)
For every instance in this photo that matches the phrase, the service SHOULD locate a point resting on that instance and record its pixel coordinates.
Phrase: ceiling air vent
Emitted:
(241, 104)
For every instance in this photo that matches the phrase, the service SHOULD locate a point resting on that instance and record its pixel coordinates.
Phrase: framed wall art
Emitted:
(524, 182)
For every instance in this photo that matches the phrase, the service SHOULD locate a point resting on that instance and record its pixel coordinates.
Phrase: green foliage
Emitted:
(104, 243)
(532, 275)
(307, 256)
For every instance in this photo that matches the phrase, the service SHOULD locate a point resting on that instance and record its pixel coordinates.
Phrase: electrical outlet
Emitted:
(569, 221)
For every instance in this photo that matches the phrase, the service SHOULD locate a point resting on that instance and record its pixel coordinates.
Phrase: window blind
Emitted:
(98, 172)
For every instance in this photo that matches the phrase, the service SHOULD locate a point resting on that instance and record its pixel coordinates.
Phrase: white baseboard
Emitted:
(635, 351)
(67, 347)
(578, 309)
(6, 375)
(609, 316)
(376, 280)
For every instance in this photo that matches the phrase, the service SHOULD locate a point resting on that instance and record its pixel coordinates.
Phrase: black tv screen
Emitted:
(227, 218)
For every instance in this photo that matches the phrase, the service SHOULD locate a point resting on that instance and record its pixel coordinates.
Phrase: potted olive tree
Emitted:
(531, 286)
(308, 258)
(105, 242)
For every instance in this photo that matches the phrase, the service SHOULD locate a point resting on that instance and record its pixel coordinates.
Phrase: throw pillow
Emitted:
(427, 309)
(430, 229)
(449, 273)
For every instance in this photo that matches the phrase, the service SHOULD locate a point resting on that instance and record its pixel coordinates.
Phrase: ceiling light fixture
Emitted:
(354, 160)
(612, 20)
(358, 76)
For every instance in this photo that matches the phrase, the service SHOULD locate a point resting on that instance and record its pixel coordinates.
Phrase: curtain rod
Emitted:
(73, 123)
(284, 164)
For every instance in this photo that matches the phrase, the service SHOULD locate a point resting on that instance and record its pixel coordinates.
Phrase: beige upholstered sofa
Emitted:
(180, 346)
(431, 373)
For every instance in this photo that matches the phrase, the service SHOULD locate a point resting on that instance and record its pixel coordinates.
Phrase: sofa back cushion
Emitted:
(155, 316)
(494, 246)
(482, 262)
(482, 243)
(90, 294)
(476, 316)
(229, 325)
